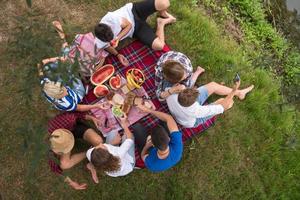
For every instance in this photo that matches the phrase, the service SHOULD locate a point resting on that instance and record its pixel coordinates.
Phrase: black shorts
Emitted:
(142, 31)
(79, 129)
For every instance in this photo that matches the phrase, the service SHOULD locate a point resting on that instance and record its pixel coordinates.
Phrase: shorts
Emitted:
(141, 11)
(203, 96)
(79, 129)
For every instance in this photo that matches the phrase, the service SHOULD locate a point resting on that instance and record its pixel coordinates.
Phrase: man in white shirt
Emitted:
(187, 106)
(130, 21)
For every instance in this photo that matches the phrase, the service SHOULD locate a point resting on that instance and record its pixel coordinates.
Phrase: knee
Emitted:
(158, 45)
(212, 83)
(162, 4)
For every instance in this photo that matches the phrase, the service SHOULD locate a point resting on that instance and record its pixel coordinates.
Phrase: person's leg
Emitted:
(159, 42)
(92, 137)
(140, 136)
(215, 88)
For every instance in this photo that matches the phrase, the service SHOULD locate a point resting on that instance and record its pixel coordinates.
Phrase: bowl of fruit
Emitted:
(135, 78)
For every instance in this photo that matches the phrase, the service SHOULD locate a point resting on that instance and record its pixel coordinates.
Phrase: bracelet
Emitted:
(169, 92)
(117, 54)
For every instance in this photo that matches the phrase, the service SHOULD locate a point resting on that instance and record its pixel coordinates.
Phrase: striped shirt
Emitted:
(160, 83)
(68, 102)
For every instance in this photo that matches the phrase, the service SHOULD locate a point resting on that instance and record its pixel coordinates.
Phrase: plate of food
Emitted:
(117, 111)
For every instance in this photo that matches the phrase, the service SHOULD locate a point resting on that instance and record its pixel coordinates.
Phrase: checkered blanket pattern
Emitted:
(142, 57)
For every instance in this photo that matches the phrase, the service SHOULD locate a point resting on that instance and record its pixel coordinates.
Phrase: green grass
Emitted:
(251, 153)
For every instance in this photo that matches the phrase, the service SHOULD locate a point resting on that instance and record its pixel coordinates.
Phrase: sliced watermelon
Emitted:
(115, 82)
(102, 74)
(101, 91)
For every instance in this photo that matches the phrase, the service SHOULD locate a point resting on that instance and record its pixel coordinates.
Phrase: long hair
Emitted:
(105, 161)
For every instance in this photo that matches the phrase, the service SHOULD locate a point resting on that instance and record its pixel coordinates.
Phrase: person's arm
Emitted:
(97, 122)
(124, 124)
(67, 161)
(85, 107)
(145, 150)
(54, 59)
(173, 90)
(120, 57)
(126, 27)
(74, 184)
(171, 123)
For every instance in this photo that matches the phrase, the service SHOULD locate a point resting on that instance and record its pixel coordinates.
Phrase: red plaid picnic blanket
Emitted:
(144, 58)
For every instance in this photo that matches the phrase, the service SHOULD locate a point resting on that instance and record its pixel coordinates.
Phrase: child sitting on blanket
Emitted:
(174, 70)
(188, 109)
(130, 21)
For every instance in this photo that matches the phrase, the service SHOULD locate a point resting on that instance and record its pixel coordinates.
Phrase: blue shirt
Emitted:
(155, 164)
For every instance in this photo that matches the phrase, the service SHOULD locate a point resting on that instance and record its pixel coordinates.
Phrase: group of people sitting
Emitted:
(161, 147)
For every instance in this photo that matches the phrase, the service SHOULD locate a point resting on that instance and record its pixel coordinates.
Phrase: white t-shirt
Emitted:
(114, 20)
(186, 116)
(126, 161)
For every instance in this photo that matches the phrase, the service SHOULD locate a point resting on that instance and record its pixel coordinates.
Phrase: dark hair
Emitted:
(105, 161)
(188, 96)
(103, 32)
(160, 137)
(173, 71)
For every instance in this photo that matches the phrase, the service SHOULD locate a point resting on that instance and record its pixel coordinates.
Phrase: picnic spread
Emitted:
(143, 58)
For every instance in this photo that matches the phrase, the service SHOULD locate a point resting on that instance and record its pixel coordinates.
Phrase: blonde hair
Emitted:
(53, 89)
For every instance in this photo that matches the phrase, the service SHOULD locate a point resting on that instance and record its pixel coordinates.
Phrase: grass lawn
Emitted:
(251, 153)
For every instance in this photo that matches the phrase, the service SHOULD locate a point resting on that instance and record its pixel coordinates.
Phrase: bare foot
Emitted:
(58, 27)
(93, 172)
(164, 21)
(242, 93)
(165, 15)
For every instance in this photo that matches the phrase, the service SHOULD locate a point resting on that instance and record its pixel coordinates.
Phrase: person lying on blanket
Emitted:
(114, 160)
(63, 130)
(161, 150)
(174, 70)
(67, 98)
(63, 97)
(188, 109)
(130, 21)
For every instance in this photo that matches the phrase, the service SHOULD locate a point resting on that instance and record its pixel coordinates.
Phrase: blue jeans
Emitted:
(203, 96)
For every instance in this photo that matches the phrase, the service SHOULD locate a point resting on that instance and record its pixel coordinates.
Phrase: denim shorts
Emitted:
(203, 96)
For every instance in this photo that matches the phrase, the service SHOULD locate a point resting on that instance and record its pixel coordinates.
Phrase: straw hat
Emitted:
(53, 89)
(62, 141)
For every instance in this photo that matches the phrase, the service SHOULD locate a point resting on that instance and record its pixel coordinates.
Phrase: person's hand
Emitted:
(123, 60)
(115, 42)
(117, 140)
(124, 121)
(104, 105)
(97, 122)
(200, 70)
(77, 186)
(148, 142)
(143, 108)
(177, 88)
